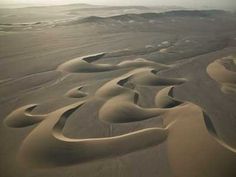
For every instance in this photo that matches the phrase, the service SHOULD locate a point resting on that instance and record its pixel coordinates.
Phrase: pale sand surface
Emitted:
(126, 96)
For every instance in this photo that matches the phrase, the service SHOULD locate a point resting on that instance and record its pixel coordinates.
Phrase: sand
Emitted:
(87, 97)
(225, 77)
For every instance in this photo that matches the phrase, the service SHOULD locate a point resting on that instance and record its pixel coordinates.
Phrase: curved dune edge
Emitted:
(187, 133)
(164, 98)
(192, 150)
(22, 117)
(141, 76)
(148, 77)
(34, 152)
(222, 75)
(85, 64)
(167, 93)
(76, 93)
(47, 147)
(213, 132)
(127, 110)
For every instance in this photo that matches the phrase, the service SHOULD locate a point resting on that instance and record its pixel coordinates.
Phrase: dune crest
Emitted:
(76, 93)
(127, 110)
(23, 117)
(164, 98)
(197, 148)
(46, 146)
(85, 64)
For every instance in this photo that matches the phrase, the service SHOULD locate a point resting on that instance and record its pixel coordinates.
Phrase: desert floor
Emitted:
(87, 92)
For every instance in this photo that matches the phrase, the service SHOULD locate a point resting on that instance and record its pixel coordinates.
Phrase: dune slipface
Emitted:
(85, 65)
(127, 110)
(76, 93)
(47, 146)
(23, 117)
(197, 149)
(164, 98)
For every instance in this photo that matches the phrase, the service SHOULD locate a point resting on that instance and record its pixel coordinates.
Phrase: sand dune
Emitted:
(140, 62)
(142, 76)
(222, 75)
(23, 117)
(164, 98)
(148, 77)
(76, 93)
(47, 147)
(198, 153)
(85, 65)
(129, 95)
(211, 129)
(127, 110)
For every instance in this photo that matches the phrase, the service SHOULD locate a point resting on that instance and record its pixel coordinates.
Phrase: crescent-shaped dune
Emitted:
(222, 75)
(84, 65)
(46, 146)
(126, 111)
(142, 76)
(164, 98)
(23, 117)
(89, 93)
(76, 93)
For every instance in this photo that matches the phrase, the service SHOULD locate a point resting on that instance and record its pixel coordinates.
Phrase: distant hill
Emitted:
(43, 6)
(108, 8)
(152, 16)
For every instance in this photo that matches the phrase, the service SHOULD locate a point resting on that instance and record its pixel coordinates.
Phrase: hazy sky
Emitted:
(187, 3)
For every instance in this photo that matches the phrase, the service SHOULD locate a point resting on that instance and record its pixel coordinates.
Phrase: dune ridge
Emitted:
(127, 110)
(211, 129)
(46, 146)
(38, 149)
(76, 93)
(85, 64)
(164, 98)
(23, 117)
